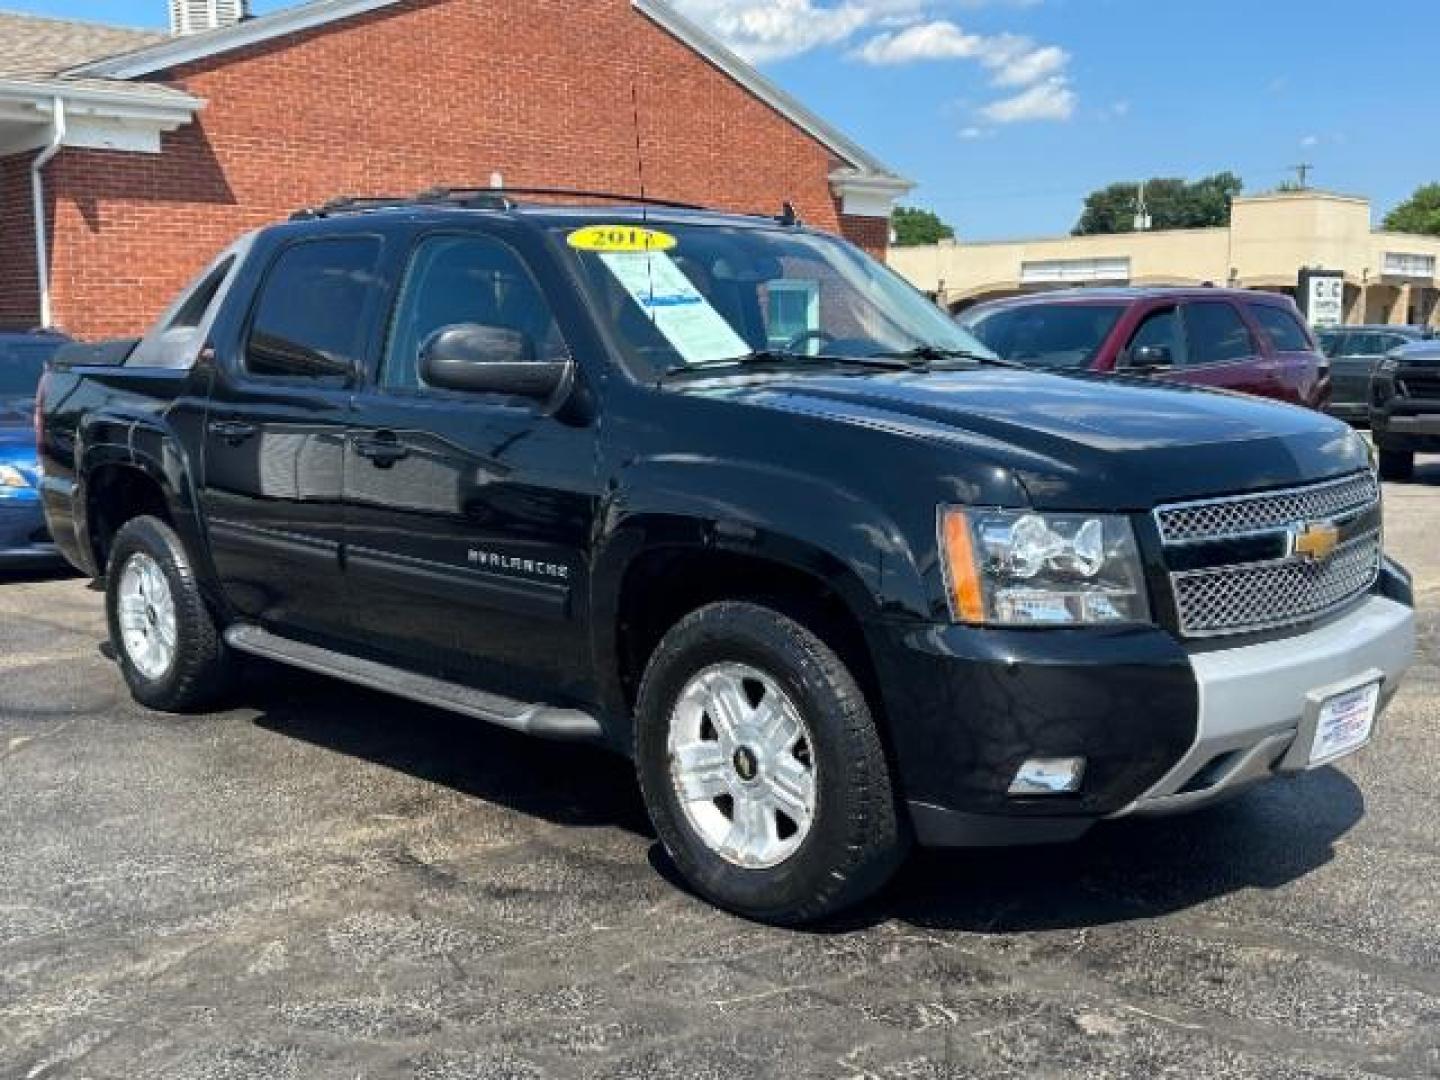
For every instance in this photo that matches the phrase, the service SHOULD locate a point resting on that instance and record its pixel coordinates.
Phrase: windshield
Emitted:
(1047, 335)
(683, 296)
(21, 365)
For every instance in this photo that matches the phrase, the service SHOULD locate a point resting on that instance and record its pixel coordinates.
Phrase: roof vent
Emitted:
(197, 16)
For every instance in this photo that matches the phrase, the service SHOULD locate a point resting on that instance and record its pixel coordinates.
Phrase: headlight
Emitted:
(12, 477)
(1022, 568)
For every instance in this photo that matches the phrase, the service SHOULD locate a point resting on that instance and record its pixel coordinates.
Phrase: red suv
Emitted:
(1228, 339)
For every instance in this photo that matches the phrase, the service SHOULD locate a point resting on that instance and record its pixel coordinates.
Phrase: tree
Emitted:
(914, 226)
(1171, 202)
(1418, 214)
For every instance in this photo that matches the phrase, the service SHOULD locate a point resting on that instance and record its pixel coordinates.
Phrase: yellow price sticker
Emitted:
(612, 238)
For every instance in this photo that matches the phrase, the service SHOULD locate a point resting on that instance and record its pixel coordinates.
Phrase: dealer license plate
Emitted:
(1345, 723)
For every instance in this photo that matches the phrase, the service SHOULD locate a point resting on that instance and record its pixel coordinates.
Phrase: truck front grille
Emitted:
(1237, 597)
(1220, 519)
(1420, 384)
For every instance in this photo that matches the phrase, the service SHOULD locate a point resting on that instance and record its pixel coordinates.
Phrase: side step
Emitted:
(544, 721)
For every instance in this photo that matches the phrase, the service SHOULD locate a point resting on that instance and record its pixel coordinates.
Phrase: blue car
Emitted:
(24, 540)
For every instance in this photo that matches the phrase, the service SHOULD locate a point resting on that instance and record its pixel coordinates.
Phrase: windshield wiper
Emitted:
(933, 354)
(782, 357)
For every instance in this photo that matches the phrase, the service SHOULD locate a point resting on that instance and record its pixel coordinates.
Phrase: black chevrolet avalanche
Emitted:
(727, 496)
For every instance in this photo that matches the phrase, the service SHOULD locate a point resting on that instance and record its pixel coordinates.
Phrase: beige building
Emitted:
(1389, 277)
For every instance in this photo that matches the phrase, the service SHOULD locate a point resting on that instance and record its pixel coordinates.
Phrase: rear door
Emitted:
(470, 514)
(1221, 351)
(275, 432)
(1294, 356)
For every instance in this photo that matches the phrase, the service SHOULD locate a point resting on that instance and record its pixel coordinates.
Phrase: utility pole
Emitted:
(1302, 175)
(1142, 214)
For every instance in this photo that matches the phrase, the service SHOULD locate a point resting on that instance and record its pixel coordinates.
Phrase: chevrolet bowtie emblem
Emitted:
(1314, 541)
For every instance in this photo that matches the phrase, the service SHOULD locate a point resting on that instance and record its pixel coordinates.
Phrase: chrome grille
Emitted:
(1216, 519)
(1240, 597)
(1231, 599)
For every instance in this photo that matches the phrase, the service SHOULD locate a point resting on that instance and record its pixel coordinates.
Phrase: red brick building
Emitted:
(148, 152)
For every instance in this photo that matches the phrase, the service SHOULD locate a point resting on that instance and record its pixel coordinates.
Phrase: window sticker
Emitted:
(620, 238)
(697, 331)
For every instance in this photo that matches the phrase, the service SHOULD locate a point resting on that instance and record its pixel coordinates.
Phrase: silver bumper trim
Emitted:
(1258, 704)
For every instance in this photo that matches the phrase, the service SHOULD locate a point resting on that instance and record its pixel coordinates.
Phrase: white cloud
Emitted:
(1310, 140)
(763, 30)
(939, 40)
(1012, 59)
(892, 32)
(1053, 99)
(1026, 63)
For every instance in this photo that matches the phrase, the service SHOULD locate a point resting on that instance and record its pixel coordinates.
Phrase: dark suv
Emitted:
(1250, 342)
(1405, 407)
(1354, 353)
(728, 496)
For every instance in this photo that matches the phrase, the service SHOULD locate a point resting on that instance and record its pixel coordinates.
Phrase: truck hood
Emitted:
(1078, 440)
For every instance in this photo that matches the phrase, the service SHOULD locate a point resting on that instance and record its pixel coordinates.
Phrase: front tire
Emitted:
(168, 645)
(1396, 464)
(762, 768)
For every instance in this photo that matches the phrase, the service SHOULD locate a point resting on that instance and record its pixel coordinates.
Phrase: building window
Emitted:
(1070, 271)
(794, 311)
(1401, 264)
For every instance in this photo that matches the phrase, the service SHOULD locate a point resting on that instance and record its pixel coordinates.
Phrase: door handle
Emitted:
(382, 452)
(233, 432)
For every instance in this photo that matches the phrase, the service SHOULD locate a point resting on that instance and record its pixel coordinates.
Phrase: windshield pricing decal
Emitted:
(620, 238)
(679, 311)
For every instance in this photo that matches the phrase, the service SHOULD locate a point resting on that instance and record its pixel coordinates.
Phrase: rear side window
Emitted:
(1284, 329)
(1048, 335)
(192, 311)
(1217, 334)
(315, 309)
(1332, 344)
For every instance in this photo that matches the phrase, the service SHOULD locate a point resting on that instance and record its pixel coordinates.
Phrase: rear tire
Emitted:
(821, 787)
(167, 643)
(1397, 464)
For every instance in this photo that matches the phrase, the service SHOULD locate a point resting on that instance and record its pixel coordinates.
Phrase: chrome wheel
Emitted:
(146, 611)
(743, 765)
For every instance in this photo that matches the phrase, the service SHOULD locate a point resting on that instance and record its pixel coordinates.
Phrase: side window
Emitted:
(315, 305)
(464, 279)
(1285, 331)
(1333, 344)
(1161, 328)
(192, 311)
(1216, 334)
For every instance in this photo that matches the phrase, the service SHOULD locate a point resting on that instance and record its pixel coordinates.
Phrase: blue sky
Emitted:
(1008, 111)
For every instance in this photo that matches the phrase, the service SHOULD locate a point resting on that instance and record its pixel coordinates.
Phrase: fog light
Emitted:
(1048, 776)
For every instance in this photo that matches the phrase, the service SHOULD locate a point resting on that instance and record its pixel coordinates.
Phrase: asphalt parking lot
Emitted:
(324, 882)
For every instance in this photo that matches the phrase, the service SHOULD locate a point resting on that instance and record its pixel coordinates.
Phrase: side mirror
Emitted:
(491, 360)
(1148, 358)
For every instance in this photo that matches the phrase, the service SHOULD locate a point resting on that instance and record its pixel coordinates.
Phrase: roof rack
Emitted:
(474, 198)
(451, 194)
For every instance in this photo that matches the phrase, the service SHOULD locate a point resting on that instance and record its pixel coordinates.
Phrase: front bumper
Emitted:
(24, 540)
(1407, 424)
(1163, 726)
(1259, 703)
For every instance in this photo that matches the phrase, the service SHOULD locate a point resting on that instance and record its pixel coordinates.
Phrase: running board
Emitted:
(544, 721)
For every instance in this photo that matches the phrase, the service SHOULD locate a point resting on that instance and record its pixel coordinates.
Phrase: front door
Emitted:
(275, 433)
(469, 514)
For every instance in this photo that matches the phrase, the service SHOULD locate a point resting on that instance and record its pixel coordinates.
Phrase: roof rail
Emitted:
(462, 193)
(351, 204)
(491, 198)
